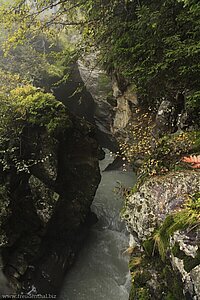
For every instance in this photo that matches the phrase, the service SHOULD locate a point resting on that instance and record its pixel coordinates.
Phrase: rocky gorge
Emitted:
(50, 175)
(76, 77)
(162, 210)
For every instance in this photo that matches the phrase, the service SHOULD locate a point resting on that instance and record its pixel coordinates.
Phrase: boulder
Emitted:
(145, 212)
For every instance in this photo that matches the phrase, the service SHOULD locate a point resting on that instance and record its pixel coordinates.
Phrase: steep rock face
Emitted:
(100, 87)
(92, 95)
(45, 199)
(146, 211)
(75, 96)
(123, 111)
(86, 95)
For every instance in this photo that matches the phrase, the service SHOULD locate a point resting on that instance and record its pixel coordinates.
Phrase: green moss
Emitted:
(161, 236)
(132, 293)
(34, 107)
(148, 246)
(141, 278)
(3, 194)
(134, 189)
(173, 282)
(134, 263)
(139, 294)
(170, 296)
(187, 217)
(146, 268)
(143, 294)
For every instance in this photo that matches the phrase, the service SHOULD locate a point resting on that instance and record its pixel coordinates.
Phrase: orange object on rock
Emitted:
(192, 159)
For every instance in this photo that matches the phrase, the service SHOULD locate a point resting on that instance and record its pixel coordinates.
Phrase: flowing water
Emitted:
(101, 269)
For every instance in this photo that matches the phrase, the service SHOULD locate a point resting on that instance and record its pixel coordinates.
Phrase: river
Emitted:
(101, 269)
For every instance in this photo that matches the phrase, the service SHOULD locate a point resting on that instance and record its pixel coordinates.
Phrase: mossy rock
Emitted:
(104, 82)
(187, 217)
(139, 294)
(154, 279)
(141, 278)
(174, 283)
(32, 106)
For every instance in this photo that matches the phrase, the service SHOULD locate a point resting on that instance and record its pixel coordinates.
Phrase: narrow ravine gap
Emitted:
(101, 269)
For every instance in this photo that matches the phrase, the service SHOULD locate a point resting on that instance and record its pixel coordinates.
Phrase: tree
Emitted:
(153, 44)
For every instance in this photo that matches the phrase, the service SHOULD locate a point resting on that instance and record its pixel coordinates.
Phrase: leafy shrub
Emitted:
(168, 151)
(28, 112)
(34, 107)
(140, 141)
(156, 156)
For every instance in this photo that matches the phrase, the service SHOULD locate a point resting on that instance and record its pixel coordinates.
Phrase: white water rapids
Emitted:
(101, 269)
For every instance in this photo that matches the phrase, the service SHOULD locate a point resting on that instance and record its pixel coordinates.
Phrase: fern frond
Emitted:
(192, 159)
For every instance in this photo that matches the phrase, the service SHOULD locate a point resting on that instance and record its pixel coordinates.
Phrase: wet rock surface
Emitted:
(46, 208)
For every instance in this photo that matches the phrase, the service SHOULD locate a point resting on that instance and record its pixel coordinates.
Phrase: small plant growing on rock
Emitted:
(187, 217)
(140, 140)
(166, 156)
(151, 155)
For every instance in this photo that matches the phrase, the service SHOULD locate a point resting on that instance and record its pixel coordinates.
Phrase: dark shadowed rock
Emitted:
(85, 95)
(46, 208)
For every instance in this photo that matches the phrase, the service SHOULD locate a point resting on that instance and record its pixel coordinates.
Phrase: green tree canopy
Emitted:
(153, 44)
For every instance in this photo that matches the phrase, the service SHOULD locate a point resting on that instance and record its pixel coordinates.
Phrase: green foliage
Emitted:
(42, 61)
(156, 46)
(174, 283)
(193, 101)
(27, 111)
(149, 246)
(34, 107)
(153, 44)
(187, 217)
(8, 81)
(139, 294)
(144, 269)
